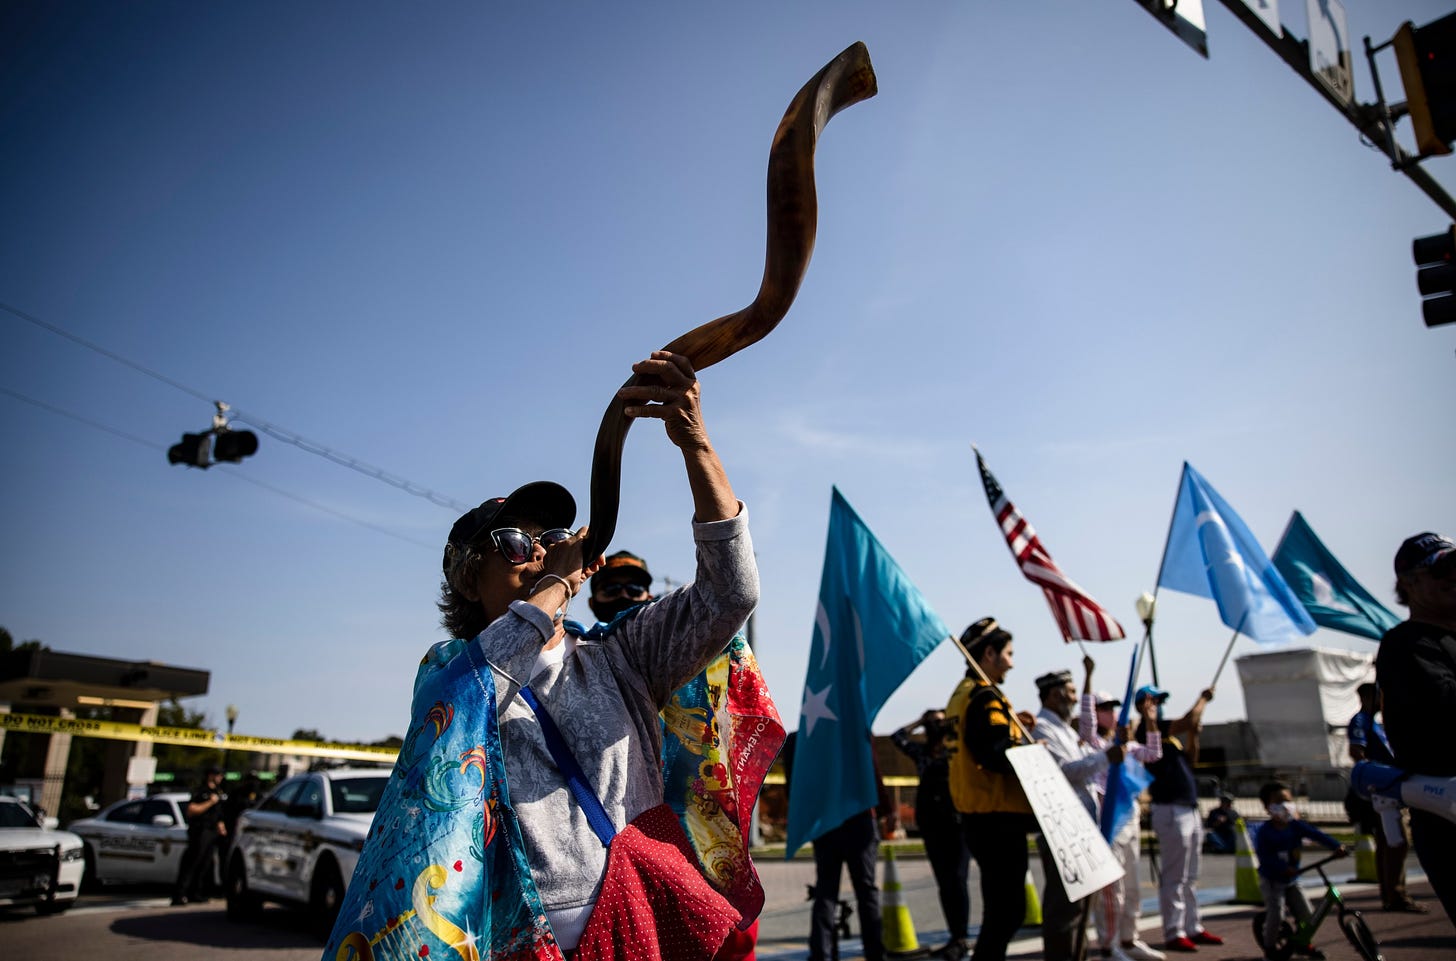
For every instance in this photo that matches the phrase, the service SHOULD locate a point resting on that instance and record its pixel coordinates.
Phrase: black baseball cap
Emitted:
(624, 566)
(544, 501)
(1421, 551)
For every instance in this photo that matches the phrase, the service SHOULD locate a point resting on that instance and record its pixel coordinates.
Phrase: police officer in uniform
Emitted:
(205, 832)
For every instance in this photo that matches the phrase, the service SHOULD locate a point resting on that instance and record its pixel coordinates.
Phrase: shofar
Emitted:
(793, 215)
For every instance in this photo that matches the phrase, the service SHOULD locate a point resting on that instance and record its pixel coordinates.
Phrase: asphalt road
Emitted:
(139, 924)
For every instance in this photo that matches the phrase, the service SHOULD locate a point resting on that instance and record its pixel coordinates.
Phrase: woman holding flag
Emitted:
(1116, 917)
(525, 817)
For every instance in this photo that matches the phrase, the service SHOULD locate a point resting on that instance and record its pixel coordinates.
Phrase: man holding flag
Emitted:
(995, 814)
(1099, 725)
(1079, 618)
(872, 627)
(852, 847)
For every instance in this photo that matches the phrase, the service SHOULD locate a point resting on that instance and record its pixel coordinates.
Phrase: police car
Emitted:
(133, 841)
(38, 865)
(299, 846)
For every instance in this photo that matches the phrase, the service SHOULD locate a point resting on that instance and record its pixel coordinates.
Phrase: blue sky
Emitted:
(434, 238)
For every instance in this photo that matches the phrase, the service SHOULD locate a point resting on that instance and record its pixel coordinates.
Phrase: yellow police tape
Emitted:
(190, 737)
(889, 780)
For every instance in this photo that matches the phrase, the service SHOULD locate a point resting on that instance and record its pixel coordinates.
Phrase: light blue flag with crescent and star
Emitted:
(1211, 553)
(871, 629)
(1329, 592)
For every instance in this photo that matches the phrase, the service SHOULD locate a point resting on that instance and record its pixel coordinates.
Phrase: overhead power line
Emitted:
(83, 420)
(60, 332)
(272, 430)
(97, 425)
(313, 447)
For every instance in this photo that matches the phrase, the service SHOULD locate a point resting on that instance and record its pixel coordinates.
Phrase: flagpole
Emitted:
(982, 675)
(1132, 684)
(1228, 650)
(1167, 538)
(1152, 652)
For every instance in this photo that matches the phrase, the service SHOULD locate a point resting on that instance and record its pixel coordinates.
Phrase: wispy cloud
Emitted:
(804, 433)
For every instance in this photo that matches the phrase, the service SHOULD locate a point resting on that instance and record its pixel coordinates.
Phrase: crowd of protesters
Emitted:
(595, 850)
(970, 805)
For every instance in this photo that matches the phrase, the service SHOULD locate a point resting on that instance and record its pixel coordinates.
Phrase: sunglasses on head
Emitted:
(633, 592)
(517, 546)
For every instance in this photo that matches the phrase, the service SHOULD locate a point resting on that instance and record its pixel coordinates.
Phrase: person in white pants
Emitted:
(1177, 824)
(1115, 908)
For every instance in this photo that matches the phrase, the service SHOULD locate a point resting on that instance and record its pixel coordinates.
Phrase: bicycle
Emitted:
(1301, 938)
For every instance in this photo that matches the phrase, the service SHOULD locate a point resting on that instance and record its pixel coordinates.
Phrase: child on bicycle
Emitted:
(1278, 843)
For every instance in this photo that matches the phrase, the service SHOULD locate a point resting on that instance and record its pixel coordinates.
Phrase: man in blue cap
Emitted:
(1174, 792)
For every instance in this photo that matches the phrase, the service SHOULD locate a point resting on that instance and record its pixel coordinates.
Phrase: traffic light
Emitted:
(195, 450)
(1436, 257)
(233, 445)
(1427, 58)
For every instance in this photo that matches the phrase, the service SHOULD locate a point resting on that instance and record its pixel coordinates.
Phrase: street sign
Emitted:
(1184, 18)
(141, 770)
(1329, 48)
(1267, 11)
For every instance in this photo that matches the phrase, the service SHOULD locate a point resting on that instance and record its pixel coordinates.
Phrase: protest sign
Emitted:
(1082, 857)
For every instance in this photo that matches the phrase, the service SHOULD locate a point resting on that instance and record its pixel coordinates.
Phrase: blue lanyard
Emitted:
(576, 780)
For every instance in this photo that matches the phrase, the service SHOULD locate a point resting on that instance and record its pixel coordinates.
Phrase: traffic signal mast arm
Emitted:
(1374, 121)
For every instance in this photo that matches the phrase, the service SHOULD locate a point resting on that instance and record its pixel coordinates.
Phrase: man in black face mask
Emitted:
(621, 584)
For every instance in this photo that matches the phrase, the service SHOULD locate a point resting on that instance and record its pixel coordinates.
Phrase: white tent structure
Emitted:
(1299, 703)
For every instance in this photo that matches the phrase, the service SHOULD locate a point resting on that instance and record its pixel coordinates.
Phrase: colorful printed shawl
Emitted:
(720, 734)
(444, 873)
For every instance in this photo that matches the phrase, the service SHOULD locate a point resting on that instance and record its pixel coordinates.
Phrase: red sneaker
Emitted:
(1180, 944)
(1205, 937)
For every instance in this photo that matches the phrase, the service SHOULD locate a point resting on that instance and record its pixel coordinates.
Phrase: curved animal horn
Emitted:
(793, 216)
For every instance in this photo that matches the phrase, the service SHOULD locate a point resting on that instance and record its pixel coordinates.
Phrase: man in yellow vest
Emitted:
(995, 815)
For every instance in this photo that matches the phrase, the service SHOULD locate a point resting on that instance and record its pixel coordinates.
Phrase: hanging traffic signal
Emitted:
(195, 450)
(1435, 256)
(1427, 58)
(233, 445)
(217, 445)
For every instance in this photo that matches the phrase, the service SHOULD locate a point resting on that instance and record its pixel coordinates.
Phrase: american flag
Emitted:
(1078, 615)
